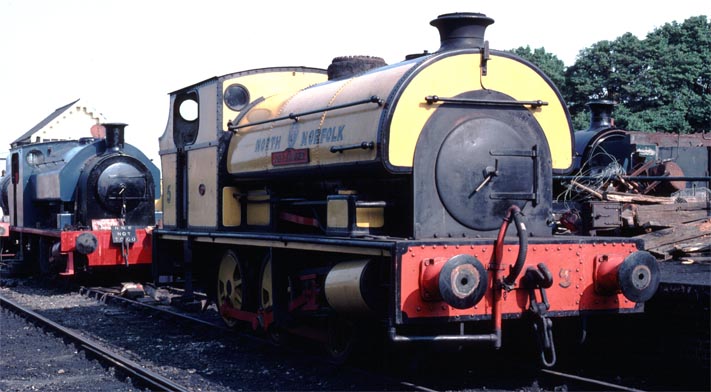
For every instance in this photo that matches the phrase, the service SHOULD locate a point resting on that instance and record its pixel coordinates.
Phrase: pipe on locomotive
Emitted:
(444, 282)
(514, 212)
(507, 282)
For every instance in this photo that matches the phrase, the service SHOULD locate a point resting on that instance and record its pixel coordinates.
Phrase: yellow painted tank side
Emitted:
(252, 147)
(231, 206)
(267, 85)
(454, 75)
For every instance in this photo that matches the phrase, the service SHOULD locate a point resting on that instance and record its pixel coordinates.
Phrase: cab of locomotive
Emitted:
(192, 147)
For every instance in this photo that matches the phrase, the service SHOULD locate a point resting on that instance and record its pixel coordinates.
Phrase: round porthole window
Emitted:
(34, 157)
(236, 97)
(188, 110)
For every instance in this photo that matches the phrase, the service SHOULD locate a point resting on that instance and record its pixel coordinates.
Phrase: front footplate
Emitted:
(493, 338)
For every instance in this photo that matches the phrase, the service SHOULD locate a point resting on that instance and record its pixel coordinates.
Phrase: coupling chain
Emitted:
(540, 278)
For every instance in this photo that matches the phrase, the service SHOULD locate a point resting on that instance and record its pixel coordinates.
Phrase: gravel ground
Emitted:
(33, 360)
(200, 358)
(205, 359)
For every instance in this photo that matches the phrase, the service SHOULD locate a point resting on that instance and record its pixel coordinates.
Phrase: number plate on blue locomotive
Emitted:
(120, 234)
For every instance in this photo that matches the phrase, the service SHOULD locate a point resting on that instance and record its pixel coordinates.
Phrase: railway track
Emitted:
(588, 382)
(571, 381)
(465, 371)
(107, 295)
(142, 376)
(111, 295)
(191, 349)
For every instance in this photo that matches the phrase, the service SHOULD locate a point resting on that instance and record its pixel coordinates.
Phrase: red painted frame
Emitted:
(573, 266)
(107, 253)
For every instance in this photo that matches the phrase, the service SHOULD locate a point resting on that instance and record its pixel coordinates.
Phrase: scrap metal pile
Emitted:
(654, 187)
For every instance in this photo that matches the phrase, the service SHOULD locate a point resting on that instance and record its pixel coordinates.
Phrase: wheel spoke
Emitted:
(266, 285)
(230, 284)
(237, 292)
(220, 290)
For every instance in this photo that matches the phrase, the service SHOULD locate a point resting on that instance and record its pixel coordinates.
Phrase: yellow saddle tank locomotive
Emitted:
(371, 194)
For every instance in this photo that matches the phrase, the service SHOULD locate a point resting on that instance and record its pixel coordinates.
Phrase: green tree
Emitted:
(684, 67)
(661, 83)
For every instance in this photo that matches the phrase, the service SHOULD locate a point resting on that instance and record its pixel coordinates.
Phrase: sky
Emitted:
(123, 57)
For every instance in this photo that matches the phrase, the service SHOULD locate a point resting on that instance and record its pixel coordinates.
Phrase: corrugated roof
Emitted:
(26, 136)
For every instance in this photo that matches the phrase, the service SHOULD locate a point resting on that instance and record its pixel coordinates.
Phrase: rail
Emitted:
(591, 381)
(105, 296)
(151, 379)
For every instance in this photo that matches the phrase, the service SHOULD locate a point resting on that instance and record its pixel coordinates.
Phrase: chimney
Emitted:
(114, 136)
(461, 30)
(601, 114)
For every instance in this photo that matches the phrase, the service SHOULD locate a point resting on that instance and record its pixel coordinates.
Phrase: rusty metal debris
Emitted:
(652, 203)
